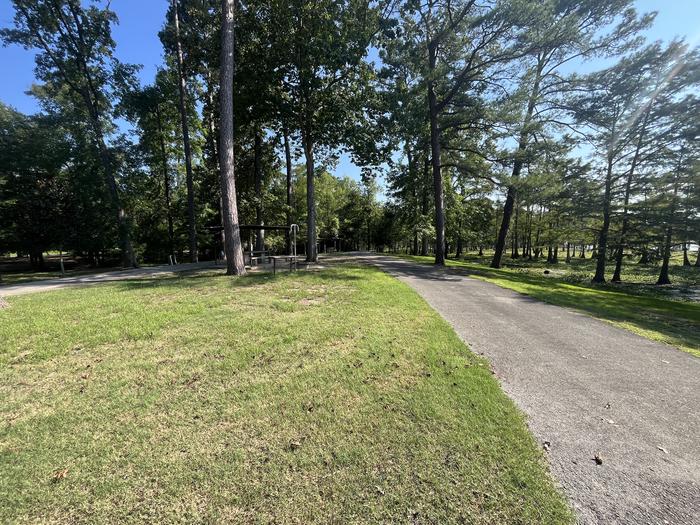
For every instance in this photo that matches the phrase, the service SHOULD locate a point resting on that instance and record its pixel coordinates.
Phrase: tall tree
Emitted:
(182, 88)
(318, 49)
(76, 53)
(232, 234)
(458, 44)
(665, 74)
(556, 34)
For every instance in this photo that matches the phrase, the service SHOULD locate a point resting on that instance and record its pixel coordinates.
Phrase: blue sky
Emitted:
(140, 20)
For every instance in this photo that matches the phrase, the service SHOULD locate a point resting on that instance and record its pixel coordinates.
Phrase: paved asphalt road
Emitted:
(588, 388)
(96, 278)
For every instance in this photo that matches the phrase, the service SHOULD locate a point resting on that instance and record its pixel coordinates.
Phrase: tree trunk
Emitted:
(517, 165)
(424, 207)
(311, 252)
(257, 169)
(166, 185)
(288, 166)
(515, 254)
(435, 160)
(182, 86)
(686, 261)
(538, 234)
(505, 223)
(599, 276)
(232, 234)
(617, 277)
(663, 275)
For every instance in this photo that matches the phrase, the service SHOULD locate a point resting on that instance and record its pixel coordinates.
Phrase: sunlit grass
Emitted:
(329, 397)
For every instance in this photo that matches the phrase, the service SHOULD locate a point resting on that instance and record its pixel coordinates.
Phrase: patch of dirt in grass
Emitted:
(310, 301)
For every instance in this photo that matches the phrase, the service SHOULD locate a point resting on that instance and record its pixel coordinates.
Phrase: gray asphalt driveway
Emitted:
(588, 388)
(103, 277)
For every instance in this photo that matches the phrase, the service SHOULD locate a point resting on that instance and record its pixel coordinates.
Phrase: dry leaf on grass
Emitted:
(59, 474)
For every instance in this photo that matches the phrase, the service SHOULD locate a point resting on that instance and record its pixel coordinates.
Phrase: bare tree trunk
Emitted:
(311, 251)
(257, 169)
(599, 276)
(288, 166)
(232, 234)
(182, 86)
(166, 185)
(517, 166)
(515, 253)
(424, 206)
(617, 275)
(663, 275)
(435, 160)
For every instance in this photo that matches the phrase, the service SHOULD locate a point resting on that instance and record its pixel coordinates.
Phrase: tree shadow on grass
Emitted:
(195, 279)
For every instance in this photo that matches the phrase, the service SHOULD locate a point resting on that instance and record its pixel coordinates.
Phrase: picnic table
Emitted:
(256, 256)
(291, 259)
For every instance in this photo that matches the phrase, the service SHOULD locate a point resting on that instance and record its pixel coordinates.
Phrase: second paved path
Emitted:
(587, 388)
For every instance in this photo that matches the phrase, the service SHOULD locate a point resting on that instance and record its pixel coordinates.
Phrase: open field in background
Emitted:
(669, 314)
(314, 397)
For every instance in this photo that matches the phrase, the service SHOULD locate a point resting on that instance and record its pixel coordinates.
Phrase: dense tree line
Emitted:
(546, 129)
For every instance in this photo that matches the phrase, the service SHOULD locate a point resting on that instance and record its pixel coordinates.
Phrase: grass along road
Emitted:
(632, 307)
(332, 396)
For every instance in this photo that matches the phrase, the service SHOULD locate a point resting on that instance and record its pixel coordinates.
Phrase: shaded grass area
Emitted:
(329, 397)
(669, 321)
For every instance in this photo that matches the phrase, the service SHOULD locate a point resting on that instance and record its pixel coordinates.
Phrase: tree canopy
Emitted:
(528, 127)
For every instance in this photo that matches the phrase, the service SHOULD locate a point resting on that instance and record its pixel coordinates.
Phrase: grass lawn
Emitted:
(317, 397)
(636, 306)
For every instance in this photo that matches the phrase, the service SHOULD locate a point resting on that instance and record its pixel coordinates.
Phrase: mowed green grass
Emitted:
(315, 397)
(632, 306)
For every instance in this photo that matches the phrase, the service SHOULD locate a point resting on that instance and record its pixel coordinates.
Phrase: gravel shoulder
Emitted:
(589, 389)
